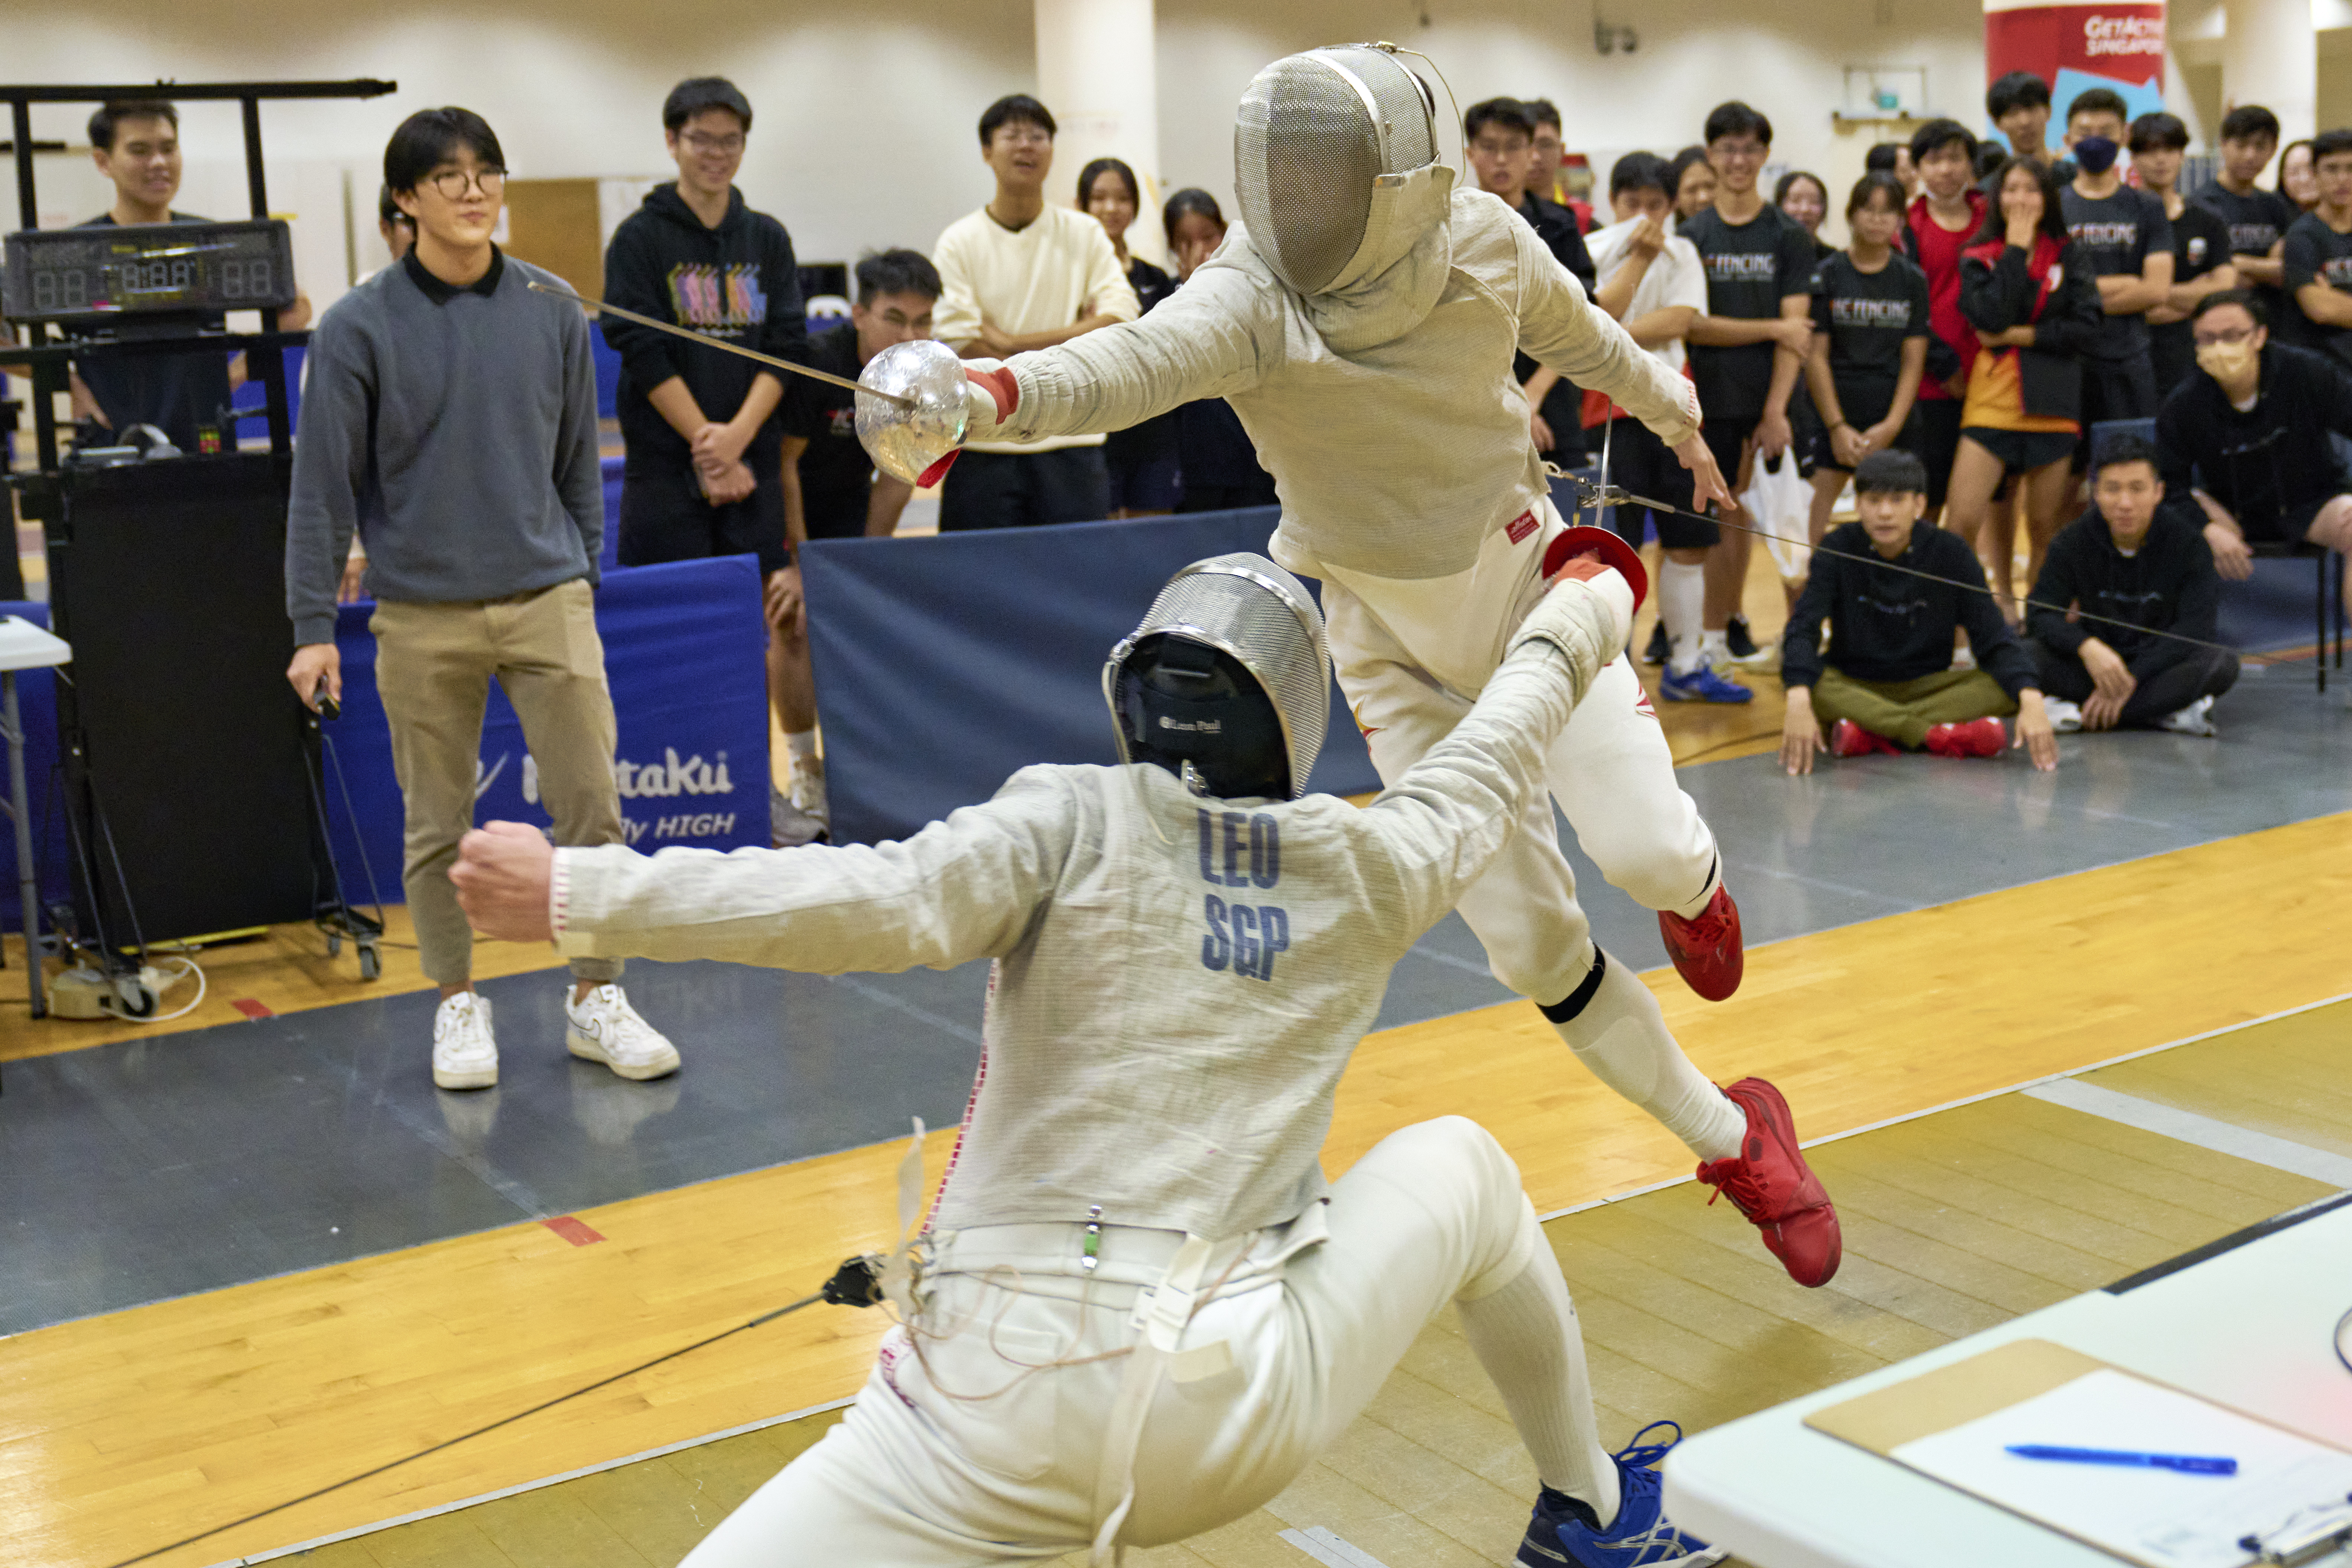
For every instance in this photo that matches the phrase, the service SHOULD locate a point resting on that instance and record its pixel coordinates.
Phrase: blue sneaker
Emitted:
(1701, 685)
(1564, 1533)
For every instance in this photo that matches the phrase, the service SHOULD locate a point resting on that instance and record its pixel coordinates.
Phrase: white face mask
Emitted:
(2227, 361)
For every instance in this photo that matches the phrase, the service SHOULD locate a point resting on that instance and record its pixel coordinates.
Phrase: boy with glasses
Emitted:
(451, 418)
(1501, 135)
(1018, 275)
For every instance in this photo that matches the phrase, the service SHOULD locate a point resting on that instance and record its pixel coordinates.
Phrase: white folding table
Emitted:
(25, 646)
(2249, 1322)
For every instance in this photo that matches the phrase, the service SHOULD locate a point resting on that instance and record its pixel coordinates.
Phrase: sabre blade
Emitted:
(798, 369)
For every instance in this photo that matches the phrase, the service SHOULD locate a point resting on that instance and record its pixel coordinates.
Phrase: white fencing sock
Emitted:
(801, 746)
(1613, 1024)
(1526, 1336)
(1681, 606)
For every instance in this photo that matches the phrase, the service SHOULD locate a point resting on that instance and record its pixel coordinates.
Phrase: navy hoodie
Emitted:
(736, 283)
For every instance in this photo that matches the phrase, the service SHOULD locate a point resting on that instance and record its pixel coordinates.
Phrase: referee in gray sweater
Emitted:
(451, 418)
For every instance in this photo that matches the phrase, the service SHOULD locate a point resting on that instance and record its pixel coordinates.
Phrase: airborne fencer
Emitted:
(1137, 1311)
(1361, 322)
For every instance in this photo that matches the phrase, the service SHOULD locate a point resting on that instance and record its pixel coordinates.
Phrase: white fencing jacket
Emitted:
(1386, 412)
(1179, 980)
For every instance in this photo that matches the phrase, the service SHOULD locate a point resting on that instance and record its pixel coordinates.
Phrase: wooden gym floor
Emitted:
(129, 1431)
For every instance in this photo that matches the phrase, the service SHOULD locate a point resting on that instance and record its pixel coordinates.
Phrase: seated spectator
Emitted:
(832, 492)
(2316, 256)
(2137, 568)
(1142, 457)
(1886, 682)
(1021, 274)
(2243, 444)
(2028, 290)
(1871, 334)
(1215, 459)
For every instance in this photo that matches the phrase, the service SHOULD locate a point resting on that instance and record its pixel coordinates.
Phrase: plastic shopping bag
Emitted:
(1779, 500)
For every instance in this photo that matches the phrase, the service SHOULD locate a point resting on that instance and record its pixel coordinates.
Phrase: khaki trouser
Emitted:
(1904, 711)
(433, 669)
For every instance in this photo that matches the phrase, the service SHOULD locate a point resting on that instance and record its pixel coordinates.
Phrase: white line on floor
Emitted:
(1329, 1550)
(2205, 1131)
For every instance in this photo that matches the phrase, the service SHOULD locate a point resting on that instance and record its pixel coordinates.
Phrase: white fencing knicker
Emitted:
(995, 1443)
(1411, 655)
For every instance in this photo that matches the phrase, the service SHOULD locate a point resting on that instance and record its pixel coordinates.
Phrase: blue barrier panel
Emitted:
(38, 705)
(945, 664)
(608, 373)
(251, 396)
(611, 554)
(685, 651)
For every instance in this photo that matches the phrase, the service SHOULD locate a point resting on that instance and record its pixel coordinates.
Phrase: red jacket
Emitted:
(1937, 251)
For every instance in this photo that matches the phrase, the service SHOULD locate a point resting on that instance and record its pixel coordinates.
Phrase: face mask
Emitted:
(2095, 154)
(2227, 361)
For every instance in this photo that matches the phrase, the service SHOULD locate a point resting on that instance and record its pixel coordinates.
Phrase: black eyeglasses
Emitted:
(2232, 335)
(453, 184)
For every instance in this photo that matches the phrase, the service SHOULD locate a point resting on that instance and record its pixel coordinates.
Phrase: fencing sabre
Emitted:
(1602, 494)
(768, 359)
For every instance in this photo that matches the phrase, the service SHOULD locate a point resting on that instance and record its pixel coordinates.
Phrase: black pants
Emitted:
(1642, 464)
(664, 517)
(1020, 491)
(2121, 391)
(2205, 673)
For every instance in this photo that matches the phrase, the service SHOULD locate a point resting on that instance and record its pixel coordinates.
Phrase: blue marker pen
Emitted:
(2187, 1464)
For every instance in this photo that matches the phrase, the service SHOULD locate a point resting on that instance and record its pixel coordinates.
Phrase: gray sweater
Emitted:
(456, 428)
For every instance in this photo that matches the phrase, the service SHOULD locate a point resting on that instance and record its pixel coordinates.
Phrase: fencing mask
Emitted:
(1329, 149)
(1227, 683)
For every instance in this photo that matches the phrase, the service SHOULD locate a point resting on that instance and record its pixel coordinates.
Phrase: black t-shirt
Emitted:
(173, 393)
(1751, 268)
(2317, 254)
(1150, 284)
(2200, 242)
(835, 472)
(1868, 316)
(2118, 234)
(1555, 226)
(2256, 221)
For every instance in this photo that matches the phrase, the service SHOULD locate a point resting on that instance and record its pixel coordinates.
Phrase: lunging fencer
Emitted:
(1361, 322)
(1137, 1311)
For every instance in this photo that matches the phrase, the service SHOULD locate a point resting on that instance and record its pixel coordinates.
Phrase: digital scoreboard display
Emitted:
(81, 275)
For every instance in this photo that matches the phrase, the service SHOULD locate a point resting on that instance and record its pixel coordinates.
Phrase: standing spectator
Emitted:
(832, 492)
(2200, 247)
(1694, 183)
(1214, 455)
(1019, 274)
(398, 229)
(2258, 219)
(451, 417)
(2127, 239)
(1870, 342)
(1548, 163)
(1886, 682)
(1804, 197)
(1895, 158)
(2243, 445)
(1142, 459)
(2027, 290)
(2317, 255)
(701, 475)
(1943, 222)
(136, 145)
(1654, 282)
(2298, 175)
(1750, 348)
(2019, 106)
(1499, 133)
(2145, 571)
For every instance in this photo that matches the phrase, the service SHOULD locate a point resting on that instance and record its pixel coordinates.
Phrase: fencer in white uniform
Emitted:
(1138, 1311)
(1361, 320)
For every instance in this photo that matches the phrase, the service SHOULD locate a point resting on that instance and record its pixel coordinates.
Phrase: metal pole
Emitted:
(253, 180)
(28, 881)
(21, 121)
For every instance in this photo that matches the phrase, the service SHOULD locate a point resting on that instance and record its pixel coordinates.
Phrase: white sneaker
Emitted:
(607, 1029)
(2065, 717)
(2191, 720)
(788, 827)
(808, 793)
(465, 1054)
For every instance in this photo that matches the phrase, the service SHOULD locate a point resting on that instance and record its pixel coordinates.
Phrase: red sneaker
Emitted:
(1977, 738)
(1848, 739)
(1706, 948)
(1773, 1187)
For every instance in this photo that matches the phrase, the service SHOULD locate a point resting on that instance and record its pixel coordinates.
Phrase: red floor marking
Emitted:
(252, 1008)
(572, 1230)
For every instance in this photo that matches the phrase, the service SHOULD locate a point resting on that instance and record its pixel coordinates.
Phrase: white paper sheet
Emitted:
(2181, 1521)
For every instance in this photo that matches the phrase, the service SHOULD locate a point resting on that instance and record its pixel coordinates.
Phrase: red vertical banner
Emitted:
(2117, 45)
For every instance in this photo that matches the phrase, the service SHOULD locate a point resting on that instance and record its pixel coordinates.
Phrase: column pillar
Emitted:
(1098, 70)
(2269, 55)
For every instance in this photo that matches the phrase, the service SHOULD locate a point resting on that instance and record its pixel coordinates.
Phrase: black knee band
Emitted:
(1577, 1000)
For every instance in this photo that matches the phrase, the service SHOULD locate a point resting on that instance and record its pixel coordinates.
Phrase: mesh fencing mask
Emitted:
(1314, 136)
(1228, 679)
